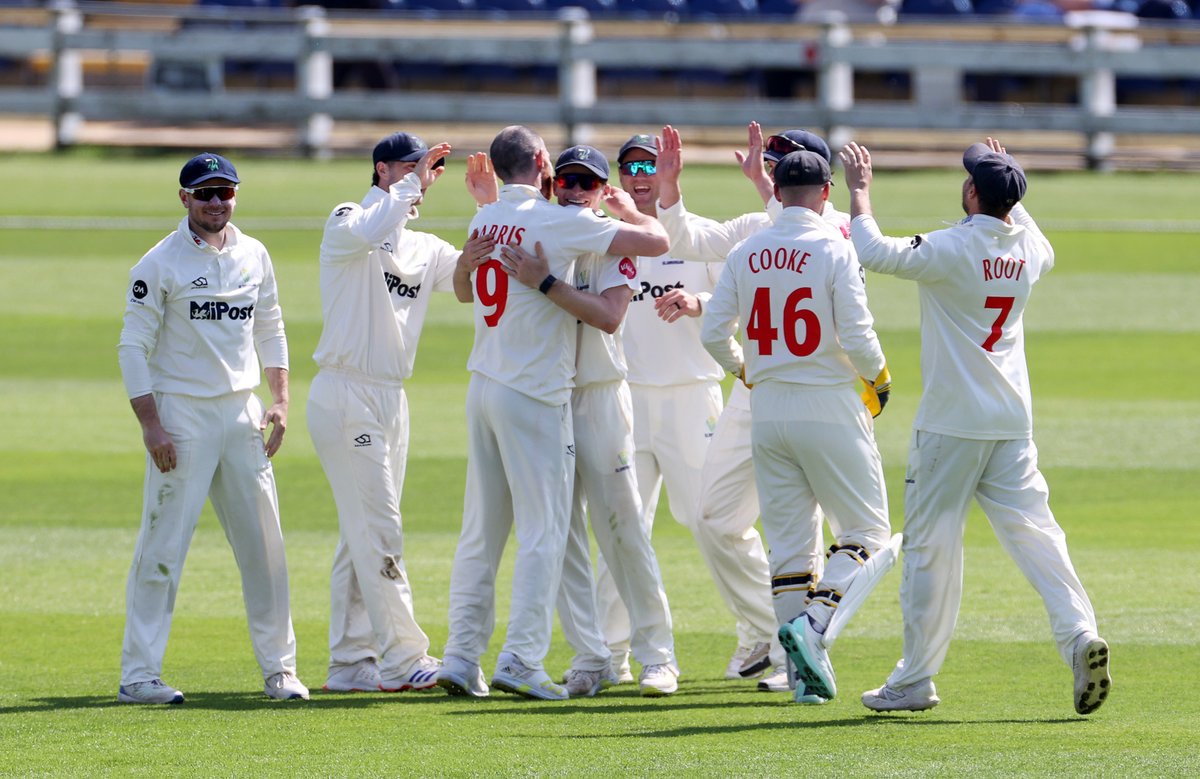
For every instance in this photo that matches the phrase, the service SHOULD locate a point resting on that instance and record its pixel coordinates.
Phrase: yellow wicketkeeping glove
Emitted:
(875, 393)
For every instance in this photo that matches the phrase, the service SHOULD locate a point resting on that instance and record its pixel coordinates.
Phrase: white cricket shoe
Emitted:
(749, 661)
(775, 680)
(807, 651)
(914, 697)
(153, 691)
(1090, 666)
(585, 684)
(514, 676)
(458, 677)
(422, 675)
(284, 686)
(658, 680)
(362, 676)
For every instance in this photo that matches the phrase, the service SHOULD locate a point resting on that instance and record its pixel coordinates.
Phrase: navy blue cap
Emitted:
(401, 147)
(204, 167)
(997, 177)
(641, 141)
(795, 140)
(801, 169)
(588, 156)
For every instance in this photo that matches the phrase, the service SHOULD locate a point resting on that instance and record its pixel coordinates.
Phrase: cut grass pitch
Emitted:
(1111, 337)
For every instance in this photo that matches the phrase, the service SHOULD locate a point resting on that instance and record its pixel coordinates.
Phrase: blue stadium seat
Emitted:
(722, 9)
(778, 8)
(440, 7)
(936, 8)
(652, 8)
(1164, 9)
(593, 7)
(514, 7)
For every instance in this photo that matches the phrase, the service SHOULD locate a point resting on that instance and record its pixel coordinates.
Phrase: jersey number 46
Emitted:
(762, 330)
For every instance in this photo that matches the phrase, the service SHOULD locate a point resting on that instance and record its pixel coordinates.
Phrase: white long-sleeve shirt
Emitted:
(973, 280)
(377, 277)
(522, 339)
(701, 239)
(797, 289)
(198, 319)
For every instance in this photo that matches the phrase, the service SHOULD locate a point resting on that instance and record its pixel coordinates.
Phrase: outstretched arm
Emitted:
(604, 311)
(752, 163)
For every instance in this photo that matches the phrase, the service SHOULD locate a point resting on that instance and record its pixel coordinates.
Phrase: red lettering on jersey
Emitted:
(503, 234)
(1003, 268)
(781, 258)
(627, 268)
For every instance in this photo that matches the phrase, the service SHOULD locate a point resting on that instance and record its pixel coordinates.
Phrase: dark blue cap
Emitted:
(401, 147)
(997, 177)
(795, 140)
(640, 141)
(588, 156)
(801, 169)
(204, 167)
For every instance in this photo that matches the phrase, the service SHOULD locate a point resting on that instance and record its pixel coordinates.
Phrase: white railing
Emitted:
(186, 46)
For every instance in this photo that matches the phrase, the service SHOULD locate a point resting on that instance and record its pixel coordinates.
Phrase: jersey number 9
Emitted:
(491, 288)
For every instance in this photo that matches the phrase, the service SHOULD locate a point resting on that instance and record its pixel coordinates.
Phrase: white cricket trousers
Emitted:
(814, 451)
(220, 456)
(672, 429)
(606, 489)
(520, 470)
(728, 511)
(944, 473)
(359, 429)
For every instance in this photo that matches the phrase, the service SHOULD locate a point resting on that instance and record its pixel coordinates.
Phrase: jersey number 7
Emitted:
(1004, 306)
(761, 330)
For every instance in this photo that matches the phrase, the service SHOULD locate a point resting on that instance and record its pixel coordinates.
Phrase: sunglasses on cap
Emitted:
(584, 181)
(781, 144)
(646, 167)
(205, 194)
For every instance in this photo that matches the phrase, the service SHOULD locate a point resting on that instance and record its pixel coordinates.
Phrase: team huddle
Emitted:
(600, 344)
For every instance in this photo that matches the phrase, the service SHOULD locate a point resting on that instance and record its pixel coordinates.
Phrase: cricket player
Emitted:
(973, 433)
(201, 312)
(728, 496)
(807, 334)
(605, 481)
(521, 455)
(377, 277)
(677, 400)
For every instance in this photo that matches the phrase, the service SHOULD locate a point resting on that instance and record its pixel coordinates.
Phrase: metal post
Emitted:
(67, 74)
(576, 75)
(835, 81)
(1099, 98)
(315, 82)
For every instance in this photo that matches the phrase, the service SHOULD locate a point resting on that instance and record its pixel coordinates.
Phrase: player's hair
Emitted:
(513, 150)
(992, 208)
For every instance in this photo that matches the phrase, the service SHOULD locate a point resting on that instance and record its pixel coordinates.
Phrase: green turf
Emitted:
(1111, 337)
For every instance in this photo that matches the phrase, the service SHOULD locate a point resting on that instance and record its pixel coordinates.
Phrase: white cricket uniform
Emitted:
(807, 336)
(606, 489)
(975, 426)
(520, 461)
(197, 321)
(376, 281)
(728, 495)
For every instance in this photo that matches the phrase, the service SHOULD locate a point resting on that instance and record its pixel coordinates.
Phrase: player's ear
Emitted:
(183, 198)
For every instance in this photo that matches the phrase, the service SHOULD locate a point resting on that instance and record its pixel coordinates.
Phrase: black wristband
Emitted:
(546, 284)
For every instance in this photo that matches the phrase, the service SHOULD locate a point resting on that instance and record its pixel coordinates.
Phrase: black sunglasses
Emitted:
(781, 144)
(584, 181)
(205, 194)
(635, 167)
